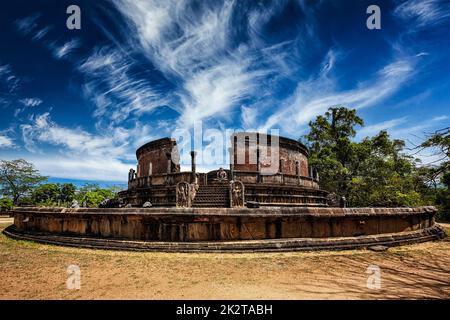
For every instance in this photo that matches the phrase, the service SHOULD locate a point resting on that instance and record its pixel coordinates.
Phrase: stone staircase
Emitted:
(215, 196)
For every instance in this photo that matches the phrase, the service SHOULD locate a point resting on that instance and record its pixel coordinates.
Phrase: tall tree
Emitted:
(47, 193)
(437, 174)
(373, 172)
(440, 142)
(381, 174)
(17, 178)
(331, 148)
(67, 192)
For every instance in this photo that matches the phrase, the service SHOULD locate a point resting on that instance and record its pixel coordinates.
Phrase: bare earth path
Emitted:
(33, 271)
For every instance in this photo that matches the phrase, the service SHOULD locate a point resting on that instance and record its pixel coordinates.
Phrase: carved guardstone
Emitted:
(237, 197)
(183, 195)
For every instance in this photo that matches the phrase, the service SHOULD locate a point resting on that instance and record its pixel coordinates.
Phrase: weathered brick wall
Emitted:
(157, 153)
(170, 224)
(290, 152)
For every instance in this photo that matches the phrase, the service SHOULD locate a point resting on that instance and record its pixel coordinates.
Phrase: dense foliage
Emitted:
(375, 171)
(92, 195)
(438, 176)
(6, 203)
(17, 178)
(21, 184)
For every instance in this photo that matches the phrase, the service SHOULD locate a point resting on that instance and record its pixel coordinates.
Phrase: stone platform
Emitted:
(226, 229)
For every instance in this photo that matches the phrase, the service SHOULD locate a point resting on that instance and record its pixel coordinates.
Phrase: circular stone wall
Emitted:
(226, 229)
(292, 155)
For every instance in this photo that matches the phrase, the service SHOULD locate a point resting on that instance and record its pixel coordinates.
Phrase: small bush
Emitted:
(6, 204)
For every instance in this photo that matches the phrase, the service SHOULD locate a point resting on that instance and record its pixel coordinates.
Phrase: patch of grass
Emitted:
(447, 232)
(3, 225)
(9, 242)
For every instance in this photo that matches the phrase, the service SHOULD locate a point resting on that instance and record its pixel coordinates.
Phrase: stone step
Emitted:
(212, 196)
(211, 192)
(211, 202)
(218, 196)
(209, 205)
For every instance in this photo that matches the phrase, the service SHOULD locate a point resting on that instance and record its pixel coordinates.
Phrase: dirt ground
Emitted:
(34, 271)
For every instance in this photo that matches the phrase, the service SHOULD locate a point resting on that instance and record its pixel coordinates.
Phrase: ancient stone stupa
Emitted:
(267, 200)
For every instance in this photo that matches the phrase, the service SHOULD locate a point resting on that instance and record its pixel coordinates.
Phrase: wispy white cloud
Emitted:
(76, 141)
(9, 82)
(81, 154)
(195, 50)
(424, 13)
(412, 132)
(214, 91)
(65, 49)
(31, 102)
(6, 142)
(116, 88)
(81, 167)
(377, 127)
(440, 118)
(41, 33)
(248, 116)
(28, 24)
(315, 96)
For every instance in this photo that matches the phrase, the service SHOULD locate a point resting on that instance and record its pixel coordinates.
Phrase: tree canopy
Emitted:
(373, 172)
(18, 178)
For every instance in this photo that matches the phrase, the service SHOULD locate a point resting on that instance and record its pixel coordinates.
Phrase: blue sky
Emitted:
(77, 103)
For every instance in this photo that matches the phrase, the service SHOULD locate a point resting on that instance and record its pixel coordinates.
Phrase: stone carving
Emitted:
(222, 174)
(168, 180)
(237, 194)
(74, 204)
(193, 188)
(105, 203)
(111, 203)
(147, 204)
(131, 175)
(183, 191)
(333, 200)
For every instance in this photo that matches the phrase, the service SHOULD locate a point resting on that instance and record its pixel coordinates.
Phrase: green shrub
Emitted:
(6, 204)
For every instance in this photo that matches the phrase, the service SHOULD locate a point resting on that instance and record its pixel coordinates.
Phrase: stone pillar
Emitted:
(281, 169)
(258, 163)
(297, 171)
(131, 175)
(193, 166)
(343, 202)
(169, 163)
(193, 154)
(281, 166)
(231, 152)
